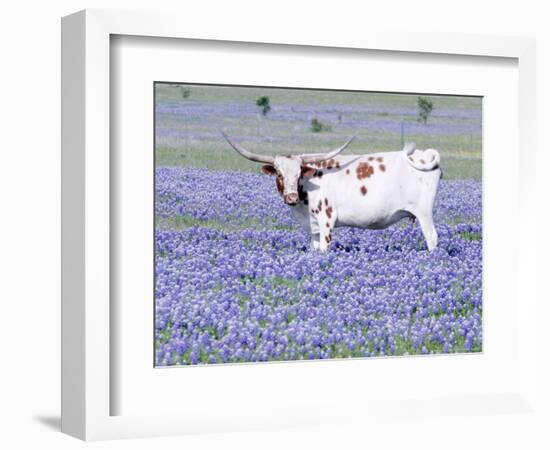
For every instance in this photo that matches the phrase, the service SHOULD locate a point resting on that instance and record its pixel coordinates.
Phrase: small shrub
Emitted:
(185, 92)
(264, 103)
(425, 108)
(317, 126)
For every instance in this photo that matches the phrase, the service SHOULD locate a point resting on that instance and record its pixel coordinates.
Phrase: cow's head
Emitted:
(287, 169)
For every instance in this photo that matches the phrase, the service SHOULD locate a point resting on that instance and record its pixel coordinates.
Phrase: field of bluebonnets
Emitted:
(235, 278)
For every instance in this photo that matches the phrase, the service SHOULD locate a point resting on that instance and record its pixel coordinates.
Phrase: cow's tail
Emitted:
(424, 160)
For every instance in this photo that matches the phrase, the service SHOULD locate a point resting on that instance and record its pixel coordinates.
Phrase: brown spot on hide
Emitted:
(422, 161)
(320, 205)
(363, 190)
(308, 171)
(312, 211)
(327, 224)
(327, 240)
(382, 167)
(379, 159)
(329, 212)
(326, 201)
(280, 184)
(269, 170)
(347, 171)
(364, 170)
(328, 164)
(371, 158)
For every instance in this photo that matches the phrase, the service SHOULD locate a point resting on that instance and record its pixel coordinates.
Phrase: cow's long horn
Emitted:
(249, 155)
(318, 157)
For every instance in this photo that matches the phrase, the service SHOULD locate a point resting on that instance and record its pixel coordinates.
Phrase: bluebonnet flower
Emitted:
(233, 283)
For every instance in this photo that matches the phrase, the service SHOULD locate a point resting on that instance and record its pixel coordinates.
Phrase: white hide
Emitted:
(404, 184)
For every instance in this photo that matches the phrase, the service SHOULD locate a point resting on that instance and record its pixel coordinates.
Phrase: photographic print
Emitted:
(302, 224)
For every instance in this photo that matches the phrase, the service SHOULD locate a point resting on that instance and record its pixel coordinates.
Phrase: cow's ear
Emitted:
(308, 171)
(269, 170)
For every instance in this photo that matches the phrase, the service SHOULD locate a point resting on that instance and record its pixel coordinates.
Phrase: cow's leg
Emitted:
(315, 241)
(321, 222)
(321, 230)
(326, 228)
(326, 222)
(428, 229)
(314, 230)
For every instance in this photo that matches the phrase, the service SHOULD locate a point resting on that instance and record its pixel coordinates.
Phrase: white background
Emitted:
(30, 188)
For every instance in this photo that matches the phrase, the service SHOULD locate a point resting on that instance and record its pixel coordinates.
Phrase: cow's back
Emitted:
(374, 190)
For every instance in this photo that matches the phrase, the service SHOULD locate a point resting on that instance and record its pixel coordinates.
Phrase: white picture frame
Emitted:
(87, 386)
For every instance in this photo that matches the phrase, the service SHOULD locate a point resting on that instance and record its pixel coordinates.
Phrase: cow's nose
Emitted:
(291, 199)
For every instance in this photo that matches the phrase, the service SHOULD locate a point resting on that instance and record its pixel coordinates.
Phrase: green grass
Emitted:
(471, 236)
(455, 166)
(205, 147)
(212, 94)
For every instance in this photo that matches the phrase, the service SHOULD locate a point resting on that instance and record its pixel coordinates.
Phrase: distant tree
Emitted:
(317, 126)
(425, 108)
(185, 92)
(264, 103)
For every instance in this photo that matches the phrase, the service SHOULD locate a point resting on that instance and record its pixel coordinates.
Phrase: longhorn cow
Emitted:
(370, 191)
